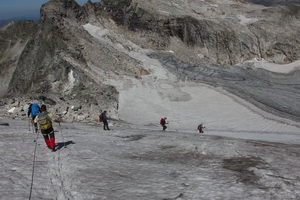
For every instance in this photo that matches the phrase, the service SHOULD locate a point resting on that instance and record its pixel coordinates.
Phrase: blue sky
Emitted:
(21, 8)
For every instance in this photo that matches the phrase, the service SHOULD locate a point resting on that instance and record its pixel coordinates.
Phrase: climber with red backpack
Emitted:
(163, 123)
(103, 118)
(201, 128)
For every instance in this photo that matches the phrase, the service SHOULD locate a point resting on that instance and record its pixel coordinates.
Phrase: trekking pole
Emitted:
(62, 135)
(29, 123)
(32, 128)
(33, 133)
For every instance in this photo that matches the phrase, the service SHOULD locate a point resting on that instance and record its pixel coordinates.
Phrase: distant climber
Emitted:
(34, 110)
(201, 128)
(44, 118)
(103, 118)
(163, 122)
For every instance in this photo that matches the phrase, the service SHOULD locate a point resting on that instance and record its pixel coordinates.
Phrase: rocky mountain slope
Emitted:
(14, 38)
(274, 2)
(60, 63)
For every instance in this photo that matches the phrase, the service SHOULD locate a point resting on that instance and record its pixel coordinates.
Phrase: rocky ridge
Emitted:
(222, 32)
(57, 60)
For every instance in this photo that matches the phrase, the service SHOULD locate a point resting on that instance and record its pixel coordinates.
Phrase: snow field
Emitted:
(145, 163)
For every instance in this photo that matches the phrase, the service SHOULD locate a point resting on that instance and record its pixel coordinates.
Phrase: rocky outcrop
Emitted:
(52, 65)
(56, 63)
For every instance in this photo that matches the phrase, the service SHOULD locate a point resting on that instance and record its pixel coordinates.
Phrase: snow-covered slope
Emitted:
(146, 163)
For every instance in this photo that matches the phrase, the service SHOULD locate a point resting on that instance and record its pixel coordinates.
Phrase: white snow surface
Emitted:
(277, 68)
(135, 162)
(244, 20)
(245, 153)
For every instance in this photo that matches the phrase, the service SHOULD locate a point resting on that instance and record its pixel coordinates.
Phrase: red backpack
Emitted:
(162, 121)
(100, 118)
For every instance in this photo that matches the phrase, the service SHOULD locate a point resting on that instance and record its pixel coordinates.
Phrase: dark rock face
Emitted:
(14, 38)
(226, 39)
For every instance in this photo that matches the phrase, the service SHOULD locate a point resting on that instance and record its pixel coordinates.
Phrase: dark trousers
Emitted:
(105, 125)
(164, 127)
